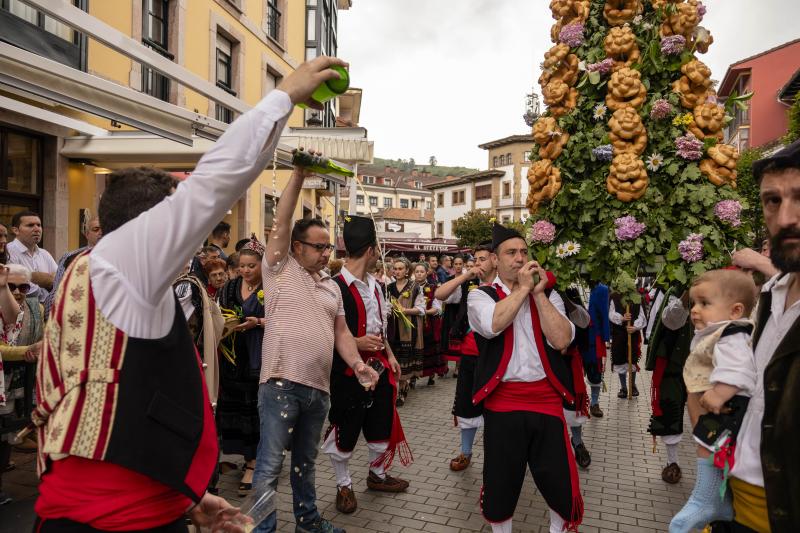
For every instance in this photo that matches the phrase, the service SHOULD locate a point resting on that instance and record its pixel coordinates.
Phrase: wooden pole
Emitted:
(630, 354)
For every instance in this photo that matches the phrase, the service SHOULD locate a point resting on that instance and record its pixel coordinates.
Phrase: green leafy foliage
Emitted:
(794, 122)
(473, 228)
(679, 200)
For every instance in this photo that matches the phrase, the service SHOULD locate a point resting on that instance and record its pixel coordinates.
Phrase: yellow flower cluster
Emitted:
(687, 119)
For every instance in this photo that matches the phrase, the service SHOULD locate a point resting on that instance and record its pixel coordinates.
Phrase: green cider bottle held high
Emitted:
(318, 164)
(330, 89)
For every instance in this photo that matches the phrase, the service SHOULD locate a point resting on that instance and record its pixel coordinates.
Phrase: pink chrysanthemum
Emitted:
(603, 67)
(628, 228)
(673, 45)
(542, 231)
(729, 211)
(701, 10)
(572, 34)
(689, 147)
(691, 249)
(661, 109)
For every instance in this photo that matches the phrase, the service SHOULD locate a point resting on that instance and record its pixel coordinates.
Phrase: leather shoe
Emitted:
(595, 411)
(671, 473)
(346, 500)
(387, 484)
(582, 456)
(460, 463)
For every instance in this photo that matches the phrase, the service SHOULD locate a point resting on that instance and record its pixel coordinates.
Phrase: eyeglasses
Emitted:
(317, 246)
(24, 288)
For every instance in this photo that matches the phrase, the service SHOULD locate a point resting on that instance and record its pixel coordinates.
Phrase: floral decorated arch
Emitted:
(631, 176)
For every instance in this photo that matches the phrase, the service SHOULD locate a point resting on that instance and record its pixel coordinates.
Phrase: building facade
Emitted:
(93, 86)
(501, 190)
(769, 76)
(380, 188)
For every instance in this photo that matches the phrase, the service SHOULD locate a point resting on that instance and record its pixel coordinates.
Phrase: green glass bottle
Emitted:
(319, 164)
(331, 88)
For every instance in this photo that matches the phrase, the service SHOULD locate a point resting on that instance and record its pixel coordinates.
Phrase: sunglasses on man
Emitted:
(24, 288)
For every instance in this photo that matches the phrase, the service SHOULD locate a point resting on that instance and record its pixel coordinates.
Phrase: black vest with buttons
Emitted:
(488, 373)
(780, 427)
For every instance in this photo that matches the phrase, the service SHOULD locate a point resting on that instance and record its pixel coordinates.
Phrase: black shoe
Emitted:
(582, 456)
(622, 393)
(635, 391)
(431, 381)
(5, 498)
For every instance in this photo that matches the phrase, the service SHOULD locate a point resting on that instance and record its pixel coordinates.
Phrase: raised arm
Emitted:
(278, 242)
(448, 288)
(222, 176)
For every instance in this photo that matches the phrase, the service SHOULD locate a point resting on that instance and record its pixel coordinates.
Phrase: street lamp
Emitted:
(532, 108)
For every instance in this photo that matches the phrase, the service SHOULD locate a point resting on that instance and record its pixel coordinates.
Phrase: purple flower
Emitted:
(673, 45)
(701, 10)
(603, 67)
(572, 34)
(661, 109)
(689, 147)
(603, 152)
(543, 232)
(691, 249)
(628, 228)
(729, 211)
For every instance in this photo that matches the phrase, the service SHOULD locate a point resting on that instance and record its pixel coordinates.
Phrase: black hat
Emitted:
(501, 234)
(788, 157)
(485, 245)
(358, 233)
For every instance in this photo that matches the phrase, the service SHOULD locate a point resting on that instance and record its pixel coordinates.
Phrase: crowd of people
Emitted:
(148, 366)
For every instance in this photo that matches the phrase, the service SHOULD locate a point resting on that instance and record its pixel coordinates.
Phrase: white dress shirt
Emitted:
(38, 261)
(374, 307)
(747, 464)
(133, 267)
(526, 361)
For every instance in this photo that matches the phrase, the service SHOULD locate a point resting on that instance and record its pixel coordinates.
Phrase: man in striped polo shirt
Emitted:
(304, 322)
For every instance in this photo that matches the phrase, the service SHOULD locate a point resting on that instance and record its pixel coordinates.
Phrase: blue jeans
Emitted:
(291, 416)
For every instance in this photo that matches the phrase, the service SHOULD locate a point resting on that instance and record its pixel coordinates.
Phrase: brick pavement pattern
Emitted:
(622, 488)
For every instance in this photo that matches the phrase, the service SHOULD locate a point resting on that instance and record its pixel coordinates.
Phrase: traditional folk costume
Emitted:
(103, 413)
(126, 430)
(523, 383)
(467, 416)
(620, 339)
(432, 362)
(353, 409)
(721, 353)
(240, 367)
(667, 351)
(407, 342)
(577, 414)
(594, 349)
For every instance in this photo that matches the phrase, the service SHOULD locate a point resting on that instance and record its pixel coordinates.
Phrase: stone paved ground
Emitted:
(622, 488)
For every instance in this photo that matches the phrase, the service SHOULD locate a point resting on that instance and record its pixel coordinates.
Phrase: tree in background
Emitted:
(475, 227)
(432, 161)
(631, 176)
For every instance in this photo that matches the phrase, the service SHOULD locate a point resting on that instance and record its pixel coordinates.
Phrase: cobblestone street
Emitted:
(622, 488)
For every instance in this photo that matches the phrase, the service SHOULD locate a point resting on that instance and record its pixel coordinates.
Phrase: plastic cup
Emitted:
(257, 507)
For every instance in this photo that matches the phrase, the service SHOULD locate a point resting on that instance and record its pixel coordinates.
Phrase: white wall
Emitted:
(449, 212)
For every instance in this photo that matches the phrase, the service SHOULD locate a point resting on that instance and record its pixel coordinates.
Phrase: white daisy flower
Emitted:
(571, 248)
(600, 111)
(560, 251)
(654, 161)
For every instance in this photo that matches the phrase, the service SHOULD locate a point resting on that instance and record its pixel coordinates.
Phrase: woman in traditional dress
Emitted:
(450, 310)
(432, 362)
(240, 362)
(406, 342)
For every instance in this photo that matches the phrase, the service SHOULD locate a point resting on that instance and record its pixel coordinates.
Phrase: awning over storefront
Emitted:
(412, 247)
(349, 149)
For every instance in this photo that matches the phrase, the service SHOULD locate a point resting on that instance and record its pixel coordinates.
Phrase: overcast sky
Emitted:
(442, 76)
